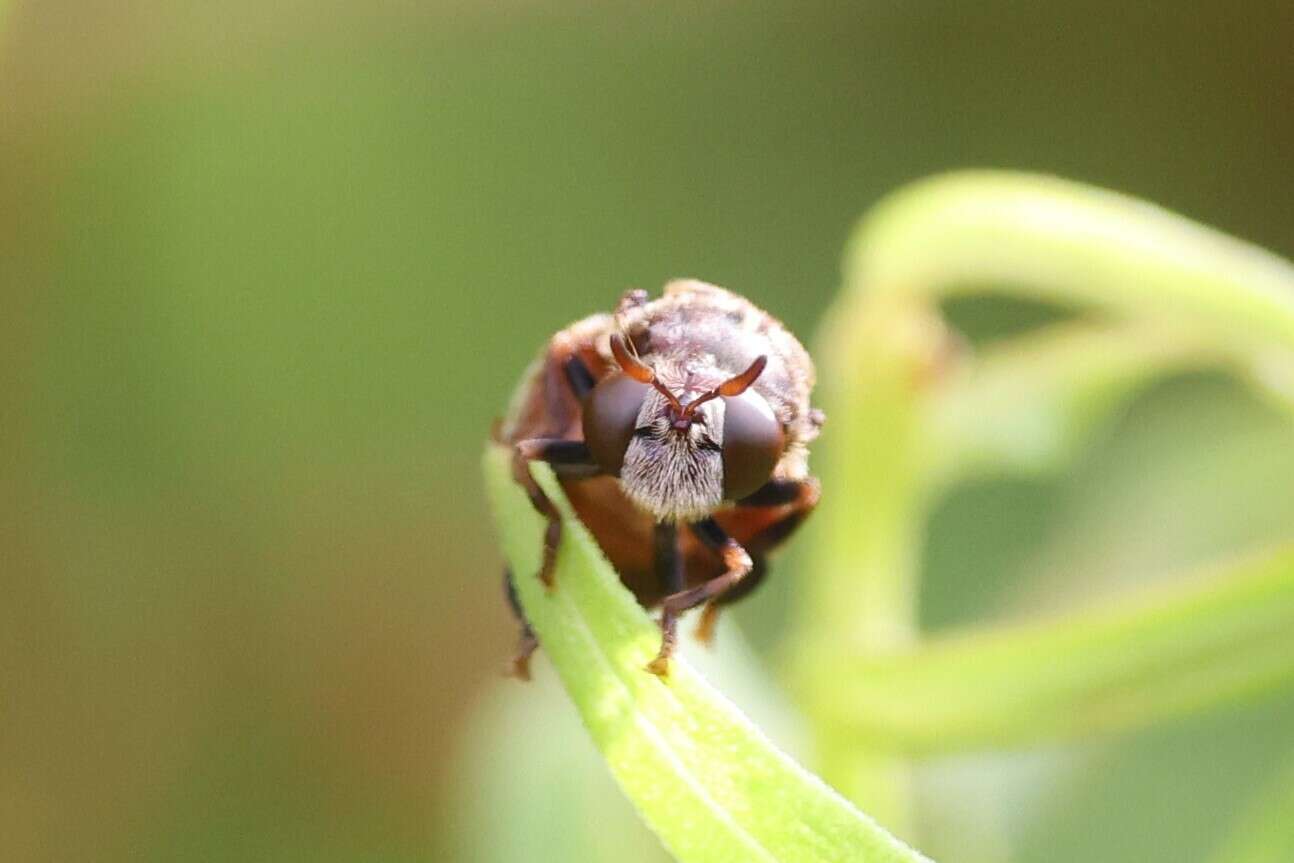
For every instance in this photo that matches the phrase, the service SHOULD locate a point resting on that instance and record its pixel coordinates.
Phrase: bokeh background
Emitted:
(268, 271)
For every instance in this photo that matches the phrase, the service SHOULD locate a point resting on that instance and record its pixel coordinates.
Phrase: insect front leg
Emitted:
(799, 497)
(671, 574)
(737, 564)
(668, 559)
(710, 614)
(526, 643)
(567, 458)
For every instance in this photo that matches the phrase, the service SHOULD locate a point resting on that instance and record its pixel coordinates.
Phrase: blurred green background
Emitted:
(270, 270)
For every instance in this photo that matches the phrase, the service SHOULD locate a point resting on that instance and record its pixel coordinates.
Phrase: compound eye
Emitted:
(752, 444)
(610, 414)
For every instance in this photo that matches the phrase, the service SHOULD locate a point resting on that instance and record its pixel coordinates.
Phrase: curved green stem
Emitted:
(1073, 244)
(1030, 405)
(909, 415)
(858, 591)
(1135, 662)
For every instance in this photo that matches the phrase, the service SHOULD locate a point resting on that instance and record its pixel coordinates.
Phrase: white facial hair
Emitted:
(670, 476)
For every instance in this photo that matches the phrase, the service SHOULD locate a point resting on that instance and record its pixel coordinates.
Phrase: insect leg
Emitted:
(800, 497)
(779, 492)
(566, 457)
(527, 643)
(669, 562)
(579, 377)
(737, 564)
(569, 458)
(671, 574)
(710, 614)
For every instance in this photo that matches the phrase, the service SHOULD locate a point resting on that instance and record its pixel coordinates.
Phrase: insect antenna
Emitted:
(733, 386)
(640, 371)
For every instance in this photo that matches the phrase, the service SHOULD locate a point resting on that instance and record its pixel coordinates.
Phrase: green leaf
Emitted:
(1145, 658)
(710, 785)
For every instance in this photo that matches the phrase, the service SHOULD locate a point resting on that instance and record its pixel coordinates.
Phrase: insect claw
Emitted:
(519, 667)
(659, 667)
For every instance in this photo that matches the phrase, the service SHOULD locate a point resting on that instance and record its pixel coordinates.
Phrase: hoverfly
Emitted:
(679, 428)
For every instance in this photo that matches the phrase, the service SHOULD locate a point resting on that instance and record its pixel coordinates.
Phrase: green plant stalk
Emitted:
(863, 537)
(858, 590)
(1220, 635)
(1076, 245)
(1018, 234)
(702, 776)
